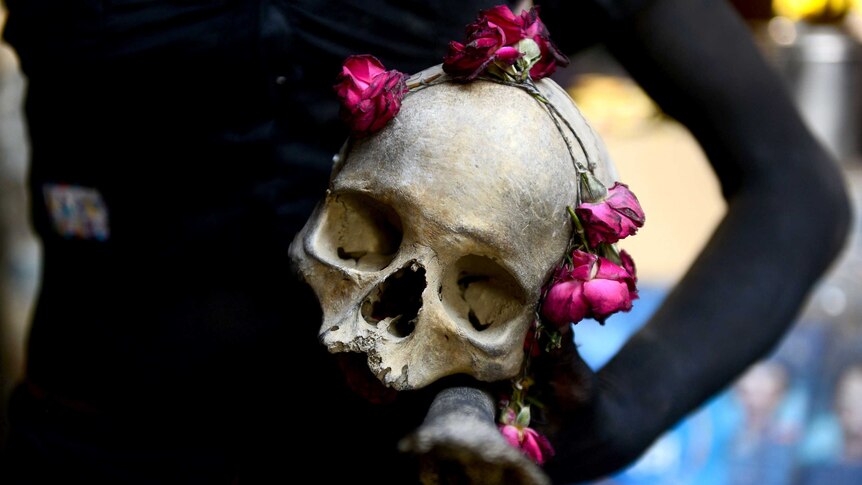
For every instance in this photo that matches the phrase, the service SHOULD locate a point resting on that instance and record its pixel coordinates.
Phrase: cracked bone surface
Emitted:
(437, 233)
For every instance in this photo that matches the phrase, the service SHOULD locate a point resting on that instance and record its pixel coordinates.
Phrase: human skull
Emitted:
(436, 234)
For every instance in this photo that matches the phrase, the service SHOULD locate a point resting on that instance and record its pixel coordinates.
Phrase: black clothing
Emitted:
(207, 127)
(172, 345)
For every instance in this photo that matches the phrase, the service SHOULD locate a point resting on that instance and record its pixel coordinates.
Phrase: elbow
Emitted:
(843, 215)
(801, 206)
(832, 219)
(823, 215)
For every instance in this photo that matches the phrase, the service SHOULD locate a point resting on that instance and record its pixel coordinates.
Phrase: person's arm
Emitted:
(787, 218)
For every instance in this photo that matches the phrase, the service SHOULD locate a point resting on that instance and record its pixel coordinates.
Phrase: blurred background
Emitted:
(795, 418)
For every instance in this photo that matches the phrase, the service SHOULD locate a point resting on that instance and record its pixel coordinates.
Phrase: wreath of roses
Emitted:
(594, 279)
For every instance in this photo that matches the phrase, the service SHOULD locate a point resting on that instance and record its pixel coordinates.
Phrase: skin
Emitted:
(787, 218)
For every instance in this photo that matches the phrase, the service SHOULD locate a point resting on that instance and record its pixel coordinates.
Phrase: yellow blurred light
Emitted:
(824, 10)
(613, 104)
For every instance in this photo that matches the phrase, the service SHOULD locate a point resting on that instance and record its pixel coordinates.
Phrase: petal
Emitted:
(610, 271)
(621, 199)
(511, 434)
(629, 265)
(378, 84)
(583, 264)
(542, 69)
(628, 227)
(507, 54)
(362, 117)
(467, 63)
(509, 25)
(601, 222)
(350, 94)
(483, 42)
(607, 297)
(531, 447)
(530, 22)
(551, 56)
(396, 82)
(565, 303)
(362, 68)
(562, 273)
(500, 14)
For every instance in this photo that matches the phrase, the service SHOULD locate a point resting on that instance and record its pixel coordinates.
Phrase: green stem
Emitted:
(579, 228)
(559, 116)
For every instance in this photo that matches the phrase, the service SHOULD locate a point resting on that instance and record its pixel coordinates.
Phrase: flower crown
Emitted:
(594, 279)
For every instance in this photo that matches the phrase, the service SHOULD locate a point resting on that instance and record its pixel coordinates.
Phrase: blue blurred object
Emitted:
(598, 343)
(751, 434)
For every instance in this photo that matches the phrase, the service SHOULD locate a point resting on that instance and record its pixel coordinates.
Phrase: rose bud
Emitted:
(617, 216)
(370, 95)
(529, 441)
(593, 287)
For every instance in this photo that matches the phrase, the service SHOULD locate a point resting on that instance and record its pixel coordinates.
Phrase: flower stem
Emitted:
(559, 117)
(579, 228)
(531, 88)
(422, 83)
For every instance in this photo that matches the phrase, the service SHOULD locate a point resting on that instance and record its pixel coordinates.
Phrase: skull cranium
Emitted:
(437, 233)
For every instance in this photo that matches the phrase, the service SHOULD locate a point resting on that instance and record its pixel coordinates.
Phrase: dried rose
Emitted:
(466, 62)
(529, 441)
(629, 265)
(551, 57)
(370, 95)
(495, 38)
(617, 216)
(593, 287)
(500, 17)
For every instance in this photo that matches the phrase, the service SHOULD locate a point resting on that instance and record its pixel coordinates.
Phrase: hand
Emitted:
(459, 443)
(588, 420)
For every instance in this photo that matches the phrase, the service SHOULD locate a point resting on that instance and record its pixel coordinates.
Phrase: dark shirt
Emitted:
(207, 129)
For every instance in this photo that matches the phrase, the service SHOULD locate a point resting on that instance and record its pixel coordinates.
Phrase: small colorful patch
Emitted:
(77, 212)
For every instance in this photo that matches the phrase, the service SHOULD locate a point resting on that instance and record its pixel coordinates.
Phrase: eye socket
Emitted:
(480, 293)
(359, 232)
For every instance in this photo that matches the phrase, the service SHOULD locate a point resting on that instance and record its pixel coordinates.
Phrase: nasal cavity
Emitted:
(398, 299)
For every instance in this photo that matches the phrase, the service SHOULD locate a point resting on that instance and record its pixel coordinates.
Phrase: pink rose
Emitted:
(489, 38)
(629, 265)
(493, 37)
(593, 287)
(485, 44)
(466, 62)
(501, 18)
(529, 441)
(617, 216)
(370, 95)
(551, 56)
